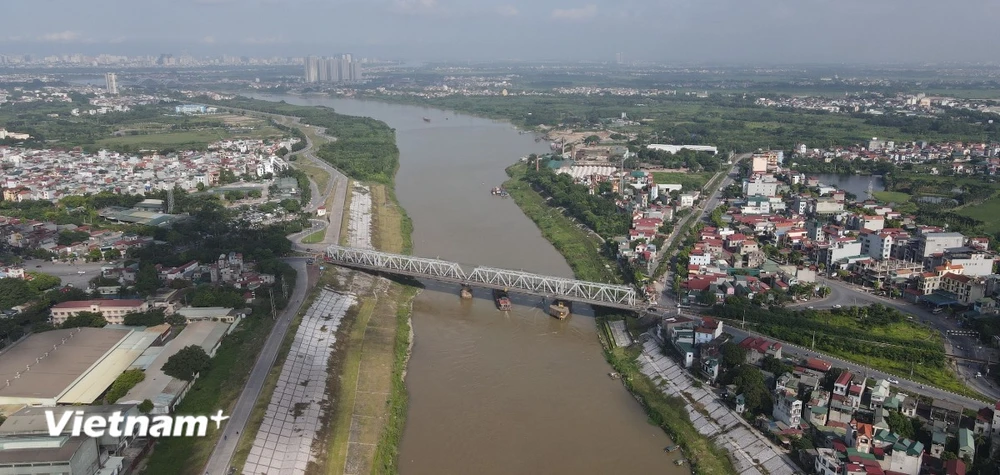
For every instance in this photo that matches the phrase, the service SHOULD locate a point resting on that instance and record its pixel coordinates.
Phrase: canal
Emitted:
(494, 392)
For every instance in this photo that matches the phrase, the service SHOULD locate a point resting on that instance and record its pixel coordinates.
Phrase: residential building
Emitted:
(763, 185)
(966, 444)
(842, 383)
(879, 393)
(710, 368)
(37, 454)
(966, 289)
(787, 409)
(933, 243)
(907, 456)
(984, 422)
(840, 250)
(113, 311)
(757, 348)
(709, 330)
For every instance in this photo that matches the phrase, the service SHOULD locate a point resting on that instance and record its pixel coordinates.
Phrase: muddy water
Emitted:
(493, 392)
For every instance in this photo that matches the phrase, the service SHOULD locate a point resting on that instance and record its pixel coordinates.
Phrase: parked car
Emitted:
(838, 306)
(893, 381)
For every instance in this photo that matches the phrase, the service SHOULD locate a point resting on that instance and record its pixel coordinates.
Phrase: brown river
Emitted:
(494, 392)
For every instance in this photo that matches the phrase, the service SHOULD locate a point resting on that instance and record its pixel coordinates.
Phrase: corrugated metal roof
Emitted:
(90, 385)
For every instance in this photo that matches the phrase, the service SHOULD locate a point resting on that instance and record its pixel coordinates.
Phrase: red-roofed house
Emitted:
(758, 348)
(842, 383)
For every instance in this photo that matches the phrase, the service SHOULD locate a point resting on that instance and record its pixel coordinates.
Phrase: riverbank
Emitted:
(582, 251)
(361, 417)
(581, 247)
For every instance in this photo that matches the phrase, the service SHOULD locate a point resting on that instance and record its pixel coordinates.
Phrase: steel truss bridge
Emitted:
(607, 295)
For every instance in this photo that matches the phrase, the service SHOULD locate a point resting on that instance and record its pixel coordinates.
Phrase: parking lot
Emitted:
(69, 273)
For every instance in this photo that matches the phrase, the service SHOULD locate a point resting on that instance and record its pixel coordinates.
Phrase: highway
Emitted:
(962, 346)
(791, 351)
(218, 464)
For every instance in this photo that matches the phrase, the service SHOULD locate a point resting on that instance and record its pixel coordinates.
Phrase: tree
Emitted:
(123, 383)
(145, 406)
(85, 319)
(900, 424)
(707, 297)
(824, 291)
(200, 186)
(775, 366)
(187, 362)
(95, 255)
(40, 282)
(733, 355)
(112, 254)
(145, 319)
(749, 381)
(147, 281)
(15, 292)
(255, 194)
(592, 139)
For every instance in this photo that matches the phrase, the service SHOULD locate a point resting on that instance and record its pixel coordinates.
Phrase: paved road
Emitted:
(792, 351)
(68, 273)
(846, 295)
(219, 462)
(666, 299)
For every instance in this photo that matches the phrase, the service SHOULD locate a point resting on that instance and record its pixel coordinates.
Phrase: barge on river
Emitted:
(502, 299)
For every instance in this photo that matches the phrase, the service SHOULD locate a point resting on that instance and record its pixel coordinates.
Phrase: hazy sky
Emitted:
(773, 31)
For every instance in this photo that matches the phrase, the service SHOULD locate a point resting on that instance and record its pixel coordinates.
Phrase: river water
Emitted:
(856, 184)
(494, 392)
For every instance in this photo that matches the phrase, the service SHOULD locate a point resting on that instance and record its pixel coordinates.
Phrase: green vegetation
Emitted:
(387, 450)
(733, 123)
(365, 148)
(587, 259)
(595, 211)
(986, 212)
(316, 237)
(666, 412)
(123, 383)
(186, 363)
(14, 292)
(217, 296)
(150, 318)
(897, 197)
(690, 181)
(218, 388)
(876, 336)
(148, 127)
(85, 319)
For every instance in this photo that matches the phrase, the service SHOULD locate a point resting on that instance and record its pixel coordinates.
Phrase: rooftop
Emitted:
(53, 371)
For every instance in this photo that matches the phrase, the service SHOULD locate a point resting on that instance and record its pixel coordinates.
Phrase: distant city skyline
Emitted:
(745, 31)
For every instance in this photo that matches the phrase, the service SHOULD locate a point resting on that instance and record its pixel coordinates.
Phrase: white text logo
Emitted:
(78, 423)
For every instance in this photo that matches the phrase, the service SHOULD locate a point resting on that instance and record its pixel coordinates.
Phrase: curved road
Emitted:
(218, 463)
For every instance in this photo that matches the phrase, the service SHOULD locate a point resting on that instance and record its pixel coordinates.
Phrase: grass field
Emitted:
(690, 181)
(988, 212)
(581, 248)
(892, 196)
(314, 238)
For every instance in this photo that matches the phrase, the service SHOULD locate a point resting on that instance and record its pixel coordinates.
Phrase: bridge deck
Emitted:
(593, 293)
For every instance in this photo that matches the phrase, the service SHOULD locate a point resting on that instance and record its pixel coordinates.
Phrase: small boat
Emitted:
(502, 299)
(670, 448)
(679, 462)
(614, 375)
(427, 119)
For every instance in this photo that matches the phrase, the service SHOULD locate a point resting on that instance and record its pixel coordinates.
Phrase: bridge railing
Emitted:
(397, 262)
(559, 286)
(490, 276)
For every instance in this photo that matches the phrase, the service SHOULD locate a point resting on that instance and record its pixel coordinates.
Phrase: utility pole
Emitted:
(814, 340)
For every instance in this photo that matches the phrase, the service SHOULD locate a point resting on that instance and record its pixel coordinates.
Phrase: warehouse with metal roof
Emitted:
(73, 366)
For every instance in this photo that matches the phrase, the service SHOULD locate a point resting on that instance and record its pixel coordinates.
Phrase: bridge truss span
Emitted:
(396, 263)
(594, 293)
(554, 286)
